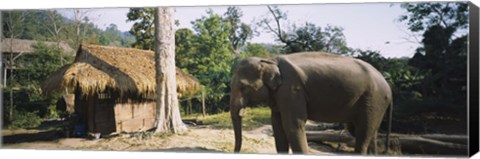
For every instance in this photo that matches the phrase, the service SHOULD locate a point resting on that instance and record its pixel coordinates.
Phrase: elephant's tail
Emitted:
(389, 125)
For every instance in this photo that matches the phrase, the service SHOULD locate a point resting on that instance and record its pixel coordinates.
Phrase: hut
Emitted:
(114, 88)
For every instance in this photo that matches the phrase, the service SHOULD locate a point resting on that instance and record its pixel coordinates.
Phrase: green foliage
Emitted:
(314, 38)
(257, 50)
(29, 104)
(26, 24)
(185, 48)
(114, 37)
(434, 80)
(28, 99)
(49, 25)
(254, 117)
(409, 107)
(443, 55)
(11, 22)
(38, 66)
(205, 52)
(213, 58)
(239, 32)
(142, 28)
(25, 119)
(422, 15)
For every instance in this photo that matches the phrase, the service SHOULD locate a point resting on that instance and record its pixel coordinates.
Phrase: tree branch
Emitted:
(279, 33)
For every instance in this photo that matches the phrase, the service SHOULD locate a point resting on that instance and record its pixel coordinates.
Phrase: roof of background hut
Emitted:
(26, 46)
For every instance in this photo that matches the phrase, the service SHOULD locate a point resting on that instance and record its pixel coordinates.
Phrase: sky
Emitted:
(372, 26)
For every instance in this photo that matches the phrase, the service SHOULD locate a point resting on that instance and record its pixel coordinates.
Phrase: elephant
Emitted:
(315, 86)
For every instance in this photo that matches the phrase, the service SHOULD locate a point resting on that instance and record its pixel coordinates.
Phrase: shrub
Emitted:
(25, 120)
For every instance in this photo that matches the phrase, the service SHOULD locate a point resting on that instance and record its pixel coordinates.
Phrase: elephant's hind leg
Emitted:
(351, 129)
(366, 127)
(373, 148)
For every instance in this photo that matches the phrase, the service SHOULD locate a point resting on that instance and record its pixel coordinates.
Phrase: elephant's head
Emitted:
(252, 83)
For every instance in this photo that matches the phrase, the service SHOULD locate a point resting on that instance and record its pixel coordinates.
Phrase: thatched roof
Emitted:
(26, 46)
(125, 70)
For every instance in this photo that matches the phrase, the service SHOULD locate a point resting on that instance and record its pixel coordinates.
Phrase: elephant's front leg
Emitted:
(295, 130)
(292, 105)
(281, 142)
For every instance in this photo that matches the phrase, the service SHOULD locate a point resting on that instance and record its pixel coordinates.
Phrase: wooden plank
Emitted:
(144, 110)
(134, 125)
(91, 113)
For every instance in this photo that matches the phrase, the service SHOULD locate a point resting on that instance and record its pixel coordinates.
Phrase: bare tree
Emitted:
(168, 114)
(307, 37)
(54, 29)
(276, 27)
(13, 21)
(80, 17)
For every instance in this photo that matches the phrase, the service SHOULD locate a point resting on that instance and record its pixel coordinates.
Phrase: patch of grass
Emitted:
(252, 118)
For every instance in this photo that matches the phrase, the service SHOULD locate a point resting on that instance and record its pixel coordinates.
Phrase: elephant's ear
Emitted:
(270, 74)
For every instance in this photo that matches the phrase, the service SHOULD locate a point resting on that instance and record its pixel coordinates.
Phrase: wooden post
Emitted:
(189, 104)
(203, 103)
(2, 78)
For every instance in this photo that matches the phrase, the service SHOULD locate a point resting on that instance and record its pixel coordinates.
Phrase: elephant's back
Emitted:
(334, 83)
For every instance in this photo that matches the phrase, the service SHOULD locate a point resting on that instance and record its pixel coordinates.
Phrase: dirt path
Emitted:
(196, 139)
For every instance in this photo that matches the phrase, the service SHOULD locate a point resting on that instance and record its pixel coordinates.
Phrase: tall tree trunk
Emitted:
(12, 21)
(10, 114)
(1, 73)
(168, 114)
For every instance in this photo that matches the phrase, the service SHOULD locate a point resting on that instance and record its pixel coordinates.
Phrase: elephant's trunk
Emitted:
(237, 128)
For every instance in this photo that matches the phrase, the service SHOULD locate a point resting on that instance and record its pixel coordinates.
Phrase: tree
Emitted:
(185, 48)
(257, 50)
(13, 21)
(308, 37)
(443, 54)
(447, 15)
(239, 32)
(168, 113)
(205, 52)
(79, 16)
(212, 58)
(142, 29)
(442, 58)
(54, 26)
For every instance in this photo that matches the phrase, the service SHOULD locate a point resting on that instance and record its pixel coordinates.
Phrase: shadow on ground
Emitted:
(47, 131)
(187, 150)
(52, 135)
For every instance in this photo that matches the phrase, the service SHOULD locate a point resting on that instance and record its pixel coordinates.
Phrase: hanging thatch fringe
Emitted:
(125, 70)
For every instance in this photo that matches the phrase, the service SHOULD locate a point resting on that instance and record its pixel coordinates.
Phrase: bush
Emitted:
(25, 120)
(408, 107)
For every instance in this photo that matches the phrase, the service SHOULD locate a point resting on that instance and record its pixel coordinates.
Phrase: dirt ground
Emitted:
(200, 139)
(196, 139)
